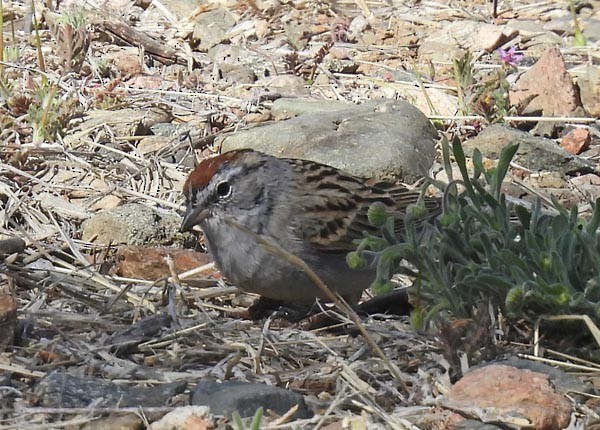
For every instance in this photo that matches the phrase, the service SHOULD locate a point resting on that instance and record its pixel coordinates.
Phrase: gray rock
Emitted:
(182, 9)
(61, 390)
(383, 140)
(126, 341)
(591, 30)
(227, 58)
(122, 122)
(296, 32)
(357, 26)
(169, 129)
(526, 28)
(283, 86)
(448, 41)
(535, 153)
(131, 224)
(588, 81)
(336, 65)
(290, 107)
(535, 45)
(561, 25)
(211, 28)
(234, 74)
(245, 398)
(11, 245)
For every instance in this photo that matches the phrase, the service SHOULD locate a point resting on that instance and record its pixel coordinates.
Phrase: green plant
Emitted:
(75, 18)
(483, 249)
(11, 54)
(41, 114)
(72, 38)
(254, 425)
(48, 113)
(491, 98)
(579, 39)
(463, 75)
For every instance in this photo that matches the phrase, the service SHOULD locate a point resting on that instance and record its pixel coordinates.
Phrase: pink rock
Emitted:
(150, 262)
(547, 87)
(576, 141)
(510, 395)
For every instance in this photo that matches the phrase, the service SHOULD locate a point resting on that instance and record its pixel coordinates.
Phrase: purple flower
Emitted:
(509, 56)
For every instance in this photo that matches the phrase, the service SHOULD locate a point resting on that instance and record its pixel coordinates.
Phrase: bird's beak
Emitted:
(193, 216)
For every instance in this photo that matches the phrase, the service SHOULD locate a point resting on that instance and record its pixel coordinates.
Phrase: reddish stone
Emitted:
(576, 141)
(510, 395)
(150, 262)
(547, 87)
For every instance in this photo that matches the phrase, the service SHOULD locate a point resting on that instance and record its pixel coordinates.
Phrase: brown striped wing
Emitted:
(332, 212)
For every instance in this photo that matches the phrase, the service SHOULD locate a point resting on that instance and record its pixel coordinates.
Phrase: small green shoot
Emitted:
(579, 39)
(254, 425)
(463, 75)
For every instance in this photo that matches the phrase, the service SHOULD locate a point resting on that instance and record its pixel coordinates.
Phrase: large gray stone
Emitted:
(291, 107)
(378, 139)
(591, 29)
(245, 398)
(62, 390)
(589, 88)
(234, 61)
(453, 38)
(211, 28)
(534, 153)
(131, 224)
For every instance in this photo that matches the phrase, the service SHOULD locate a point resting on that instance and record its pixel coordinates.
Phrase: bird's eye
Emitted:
(223, 189)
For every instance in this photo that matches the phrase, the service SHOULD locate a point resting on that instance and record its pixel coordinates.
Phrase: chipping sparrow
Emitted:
(311, 210)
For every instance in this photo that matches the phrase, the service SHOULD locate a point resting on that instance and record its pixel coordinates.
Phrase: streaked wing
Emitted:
(333, 206)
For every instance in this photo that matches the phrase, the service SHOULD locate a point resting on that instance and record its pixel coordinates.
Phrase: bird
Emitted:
(311, 210)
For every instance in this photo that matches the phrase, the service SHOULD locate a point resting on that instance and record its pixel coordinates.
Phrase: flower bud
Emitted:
(377, 214)
(355, 261)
